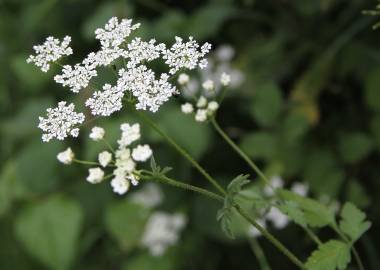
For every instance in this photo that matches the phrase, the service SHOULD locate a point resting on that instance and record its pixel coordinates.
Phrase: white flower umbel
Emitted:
(187, 108)
(225, 79)
(142, 153)
(50, 51)
(114, 33)
(275, 183)
(149, 196)
(186, 55)
(162, 231)
(104, 158)
(120, 185)
(202, 102)
(139, 51)
(97, 133)
(183, 79)
(201, 115)
(208, 85)
(60, 122)
(130, 133)
(300, 189)
(105, 102)
(77, 77)
(95, 175)
(66, 157)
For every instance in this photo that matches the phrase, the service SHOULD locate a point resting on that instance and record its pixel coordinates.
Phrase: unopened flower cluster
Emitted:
(122, 161)
(274, 216)
(202, 109)
(134, 77)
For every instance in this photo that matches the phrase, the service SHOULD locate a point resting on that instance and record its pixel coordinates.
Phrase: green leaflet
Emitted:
(315, 213)
(353, 222)
(294, 212)
(331, 255)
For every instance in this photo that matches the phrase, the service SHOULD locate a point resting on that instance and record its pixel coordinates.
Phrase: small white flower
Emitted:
(120, 185)
(275, 183)
(60, 122)
(278, 219)
(142, 153)
(149, 196)
(253, 232)
(187, 108)
(97, 133)
(183, 78)
(104, 158)
(133, 179)
(225, 79)
(95, 175)
(208, 85)
(50, 51)
(300, 189)
(77, 77)
(105, 102)
(130, 133)
(201, 115)
(202, 102)
(213, 106)
(66, 157)
(225, 53)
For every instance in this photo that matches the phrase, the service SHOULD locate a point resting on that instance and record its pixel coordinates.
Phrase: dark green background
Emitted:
(309, 110)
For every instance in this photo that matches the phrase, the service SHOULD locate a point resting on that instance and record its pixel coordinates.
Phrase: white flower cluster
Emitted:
(124, 164)
(50, 51)
(60, 122)
(204, 110)
(274, 215)
(150, 90)
(150, 195)
(162, 231)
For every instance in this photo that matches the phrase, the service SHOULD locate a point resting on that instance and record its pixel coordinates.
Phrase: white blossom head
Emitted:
(300, 188)
(130, 133)
(201, 115)
(142, 152)
(278, 219)
(60, 122)
(50, 51)
(104, 158)
(225, 79)
(202, 102)
(150, 195)
(208, 85)
(275, 183)
(120, 185)
(105, 102)
(97, 133)
(183, 79)
(95, 175)
(213, 106)
(187, 108)
(66, 157)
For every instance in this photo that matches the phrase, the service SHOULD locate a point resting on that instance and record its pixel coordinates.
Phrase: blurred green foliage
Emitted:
(308, 110)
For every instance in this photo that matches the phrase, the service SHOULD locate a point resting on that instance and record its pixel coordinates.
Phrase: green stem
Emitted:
(175, 183)
(182, 152)
(239, 151)
(85, 162)
(354, 251)
(312, 235)
(271, 238)
(259, 253)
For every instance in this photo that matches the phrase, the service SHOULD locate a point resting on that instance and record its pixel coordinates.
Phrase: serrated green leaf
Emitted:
(293, 211)
(353, 222)
(330, 256)
(49, 230)
(316, 214)
(224, 217)
(237, 183)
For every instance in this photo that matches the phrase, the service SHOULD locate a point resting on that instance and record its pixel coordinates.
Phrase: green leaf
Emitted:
(225, 219)
(50, 231)
(315, 213)
(148, 262)
(293, 211)
(355, 146)
(237, 183)
(267, 104)
(353, 222)
(125, 221)
(330, 256)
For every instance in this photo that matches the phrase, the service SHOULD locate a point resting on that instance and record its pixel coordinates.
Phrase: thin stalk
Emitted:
(178, 184)
(85, 162)
(239, 151)
(354, 251)
(182, 152)
(271, 238)
(312, 235)
(259, 253)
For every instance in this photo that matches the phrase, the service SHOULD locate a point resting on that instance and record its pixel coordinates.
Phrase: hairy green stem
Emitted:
(182, 152)
(270, 237)
(259, 253)
(239, 151)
